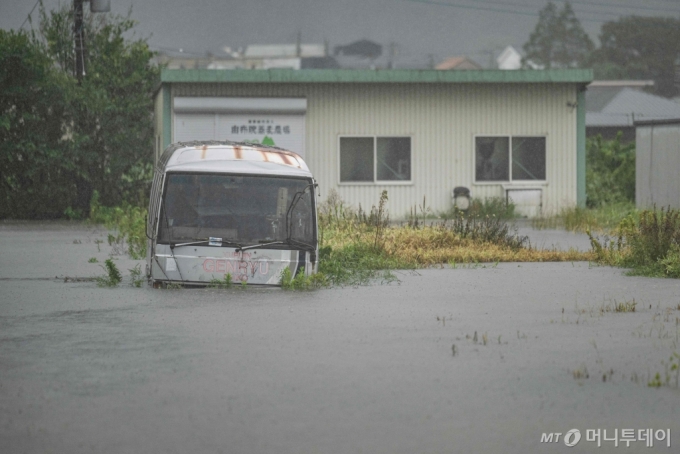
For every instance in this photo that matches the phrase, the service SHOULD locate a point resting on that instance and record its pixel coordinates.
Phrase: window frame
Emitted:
(375, 181)
(510, 180)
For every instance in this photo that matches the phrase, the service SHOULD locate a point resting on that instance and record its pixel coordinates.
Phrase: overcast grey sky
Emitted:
(418, 28)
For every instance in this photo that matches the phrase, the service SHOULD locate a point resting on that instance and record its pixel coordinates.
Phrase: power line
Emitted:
(482, 8)
(613, 5)
(506, 11)
(533, 7)
(29, 15)
(572, 2)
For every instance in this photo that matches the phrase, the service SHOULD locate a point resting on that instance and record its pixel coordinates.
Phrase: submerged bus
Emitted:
(227, 208)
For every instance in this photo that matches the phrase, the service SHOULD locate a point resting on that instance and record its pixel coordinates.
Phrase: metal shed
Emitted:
(657, 163)
(416, 133)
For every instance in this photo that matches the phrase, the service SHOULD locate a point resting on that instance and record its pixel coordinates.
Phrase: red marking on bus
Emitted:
(224, 266)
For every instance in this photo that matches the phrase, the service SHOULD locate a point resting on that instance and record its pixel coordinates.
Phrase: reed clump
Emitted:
(647, 242)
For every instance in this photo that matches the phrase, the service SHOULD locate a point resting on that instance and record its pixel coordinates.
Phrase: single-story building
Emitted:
(416, 133)
(657, 163)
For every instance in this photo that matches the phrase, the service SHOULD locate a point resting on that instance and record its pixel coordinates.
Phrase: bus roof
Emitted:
(225, 156)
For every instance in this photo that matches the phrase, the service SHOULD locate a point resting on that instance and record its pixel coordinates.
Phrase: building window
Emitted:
(515, 158)
(375, 159)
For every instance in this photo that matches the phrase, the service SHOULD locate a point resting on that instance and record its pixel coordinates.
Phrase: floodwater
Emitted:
(482, 359)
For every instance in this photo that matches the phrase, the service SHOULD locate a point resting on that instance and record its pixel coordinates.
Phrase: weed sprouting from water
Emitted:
(580, 373)
(112, 276)
(671, 370)
(302, 281)
(225, 282)
(625, 306)
(136, 276)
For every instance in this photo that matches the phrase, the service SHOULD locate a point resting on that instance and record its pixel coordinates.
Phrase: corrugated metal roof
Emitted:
(668, 121)
(597, 99)
(377, 76)
(621, 107)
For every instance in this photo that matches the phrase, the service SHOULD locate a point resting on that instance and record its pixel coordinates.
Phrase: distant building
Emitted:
(179, 60)
(362, 48)
(614, 106)
(509, 59)
(458, 63)
(257, 56)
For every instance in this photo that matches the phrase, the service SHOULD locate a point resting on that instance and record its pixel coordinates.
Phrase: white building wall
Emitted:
(442, 119)
(657, 166)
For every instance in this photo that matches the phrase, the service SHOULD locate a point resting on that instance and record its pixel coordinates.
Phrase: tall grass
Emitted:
(577, 219)
(353, 243)
(648, 242)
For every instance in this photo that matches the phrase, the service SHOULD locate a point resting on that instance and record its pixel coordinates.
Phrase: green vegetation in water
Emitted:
(225, 282)
(647, 242)
(136, 278)
(112, 276)
(359, 264)
(302, 281)
(357, 247)
(671, 371)
(129, 223)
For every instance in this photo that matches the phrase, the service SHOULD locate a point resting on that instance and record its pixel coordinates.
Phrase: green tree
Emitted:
(558, 41)
(109, 117)
(610, 171)
(33, 182)
(59, 140)
(640, 48)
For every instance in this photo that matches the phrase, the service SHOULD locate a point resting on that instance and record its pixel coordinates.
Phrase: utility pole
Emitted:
(83, 186)
(393, 53)
(96, 6)
(298, 44)
(80, 39)
(430, 61)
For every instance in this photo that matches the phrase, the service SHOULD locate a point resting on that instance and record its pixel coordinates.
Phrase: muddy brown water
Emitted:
(483, 359)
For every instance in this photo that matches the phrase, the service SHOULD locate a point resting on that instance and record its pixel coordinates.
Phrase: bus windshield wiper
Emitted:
(254, 246)
(206, 241)
(288, 242)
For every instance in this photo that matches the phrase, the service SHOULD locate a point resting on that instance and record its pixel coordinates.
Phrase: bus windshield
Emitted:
(237, 209)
